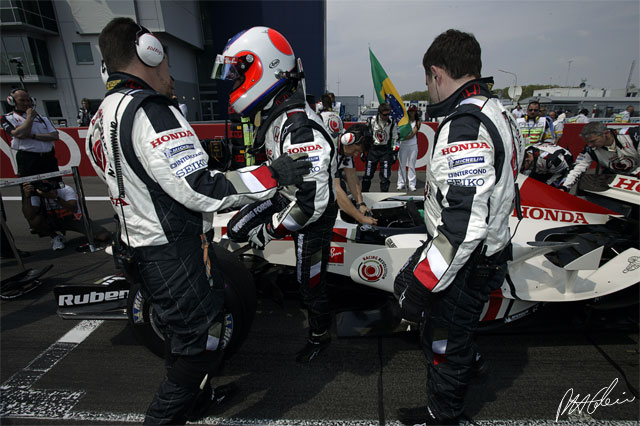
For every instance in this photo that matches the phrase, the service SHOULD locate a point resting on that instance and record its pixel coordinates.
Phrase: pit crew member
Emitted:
(306, 211)
(384, 150)
(547, 163)
(355, 141)
(615, 151)
(469, 197)
(156, 171)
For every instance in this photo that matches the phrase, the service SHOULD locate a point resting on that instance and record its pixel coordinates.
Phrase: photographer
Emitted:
(52, 210)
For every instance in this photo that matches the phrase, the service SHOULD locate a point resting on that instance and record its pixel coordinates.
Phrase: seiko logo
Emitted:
(538, 213)
(93, 297)
(297, 149)
(464, 146)
(274, 63)
(166, 138)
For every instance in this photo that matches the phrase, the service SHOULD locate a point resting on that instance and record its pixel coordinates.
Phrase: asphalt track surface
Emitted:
(56, 371)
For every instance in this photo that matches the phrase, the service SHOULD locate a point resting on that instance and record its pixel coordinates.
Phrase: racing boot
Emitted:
(209, 399)
(479, 368)
(422, 416)
(315, 344)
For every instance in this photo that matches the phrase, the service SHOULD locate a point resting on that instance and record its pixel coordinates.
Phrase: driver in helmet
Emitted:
(268, 87)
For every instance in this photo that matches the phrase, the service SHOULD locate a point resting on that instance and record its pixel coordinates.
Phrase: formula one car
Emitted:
(565, 249)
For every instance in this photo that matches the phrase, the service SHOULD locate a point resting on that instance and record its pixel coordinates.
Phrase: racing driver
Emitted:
(469, 197)
(269, 88)
(164, 195)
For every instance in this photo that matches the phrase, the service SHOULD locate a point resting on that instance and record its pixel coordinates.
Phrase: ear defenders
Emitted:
(10, 99)
(348, 138)
(104, 73)
(148, 48)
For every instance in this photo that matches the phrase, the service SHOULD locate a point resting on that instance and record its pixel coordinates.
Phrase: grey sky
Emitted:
(534, 40)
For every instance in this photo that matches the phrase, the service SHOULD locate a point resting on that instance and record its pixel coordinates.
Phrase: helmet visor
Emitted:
(225, 68)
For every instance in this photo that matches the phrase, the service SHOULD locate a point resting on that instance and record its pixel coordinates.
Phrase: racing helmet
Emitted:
(260, 62)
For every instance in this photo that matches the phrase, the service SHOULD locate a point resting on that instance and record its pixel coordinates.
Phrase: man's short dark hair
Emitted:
(583, 111)
(533, 103)
(117, 43)
(363, 135)
(457, 52)
(326, 100)
(383, 107)
(594, 128)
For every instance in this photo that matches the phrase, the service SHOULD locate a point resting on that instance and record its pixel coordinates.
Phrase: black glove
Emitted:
(289, 169)
(413, 301)
(260, 236)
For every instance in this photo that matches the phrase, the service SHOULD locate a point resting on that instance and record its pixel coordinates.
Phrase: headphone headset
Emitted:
(104, 73)
(10, 99)
(148, 48)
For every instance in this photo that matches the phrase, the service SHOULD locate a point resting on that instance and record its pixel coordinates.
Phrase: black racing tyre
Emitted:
(240, 306)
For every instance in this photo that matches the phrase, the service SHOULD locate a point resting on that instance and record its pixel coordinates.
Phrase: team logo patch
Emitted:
(336, 255)
(381, 136)
(455, 162)
(621, 164)
(334, 124)
(372, 269)
(178, 149)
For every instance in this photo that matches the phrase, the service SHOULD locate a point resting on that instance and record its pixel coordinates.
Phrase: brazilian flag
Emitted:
(387, 93)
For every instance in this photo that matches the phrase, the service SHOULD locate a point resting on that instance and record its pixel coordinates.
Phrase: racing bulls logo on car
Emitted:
(372, 268)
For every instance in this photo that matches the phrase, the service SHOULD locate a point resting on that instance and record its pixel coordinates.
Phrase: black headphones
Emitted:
(148, 48)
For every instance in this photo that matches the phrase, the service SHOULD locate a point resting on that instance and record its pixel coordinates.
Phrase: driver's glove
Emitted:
(289, 169)
(413, 301)
(260, 236)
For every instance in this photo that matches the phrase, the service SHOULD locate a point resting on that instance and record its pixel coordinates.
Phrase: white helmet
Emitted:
(260, 62)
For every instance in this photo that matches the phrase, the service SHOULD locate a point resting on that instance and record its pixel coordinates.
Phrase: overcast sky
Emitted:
(533, 39)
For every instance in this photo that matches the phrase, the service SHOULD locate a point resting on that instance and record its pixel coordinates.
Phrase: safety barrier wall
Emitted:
(70, 148)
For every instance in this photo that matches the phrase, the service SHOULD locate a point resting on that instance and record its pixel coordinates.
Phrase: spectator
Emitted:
(615, 151)
(52, 210)
(84, 113)
(581, 117)
(385, 137)
(408, 152)
(535, 127)
(547, 163)
(33, 136)
(355, 141)
(517, 111)
(624, 116)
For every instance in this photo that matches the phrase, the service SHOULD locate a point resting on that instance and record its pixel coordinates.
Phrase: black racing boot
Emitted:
(209, 399)
(422, 416)
(315, 344)
(479, 367)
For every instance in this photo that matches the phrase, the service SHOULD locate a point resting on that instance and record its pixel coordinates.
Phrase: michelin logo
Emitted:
(178, 149)
(313, 159)
(455, 162)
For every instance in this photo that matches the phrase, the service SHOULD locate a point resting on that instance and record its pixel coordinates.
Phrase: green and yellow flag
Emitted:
(387, 93)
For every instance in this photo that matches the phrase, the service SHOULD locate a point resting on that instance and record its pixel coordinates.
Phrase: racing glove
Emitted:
(289, 169)
(413, 301)
(260, 236)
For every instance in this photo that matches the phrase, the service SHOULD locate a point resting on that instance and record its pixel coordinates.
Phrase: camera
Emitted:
(44, 186)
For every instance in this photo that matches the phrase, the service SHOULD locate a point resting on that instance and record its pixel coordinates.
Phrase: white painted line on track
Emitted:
(17, 198)
(19, 400)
